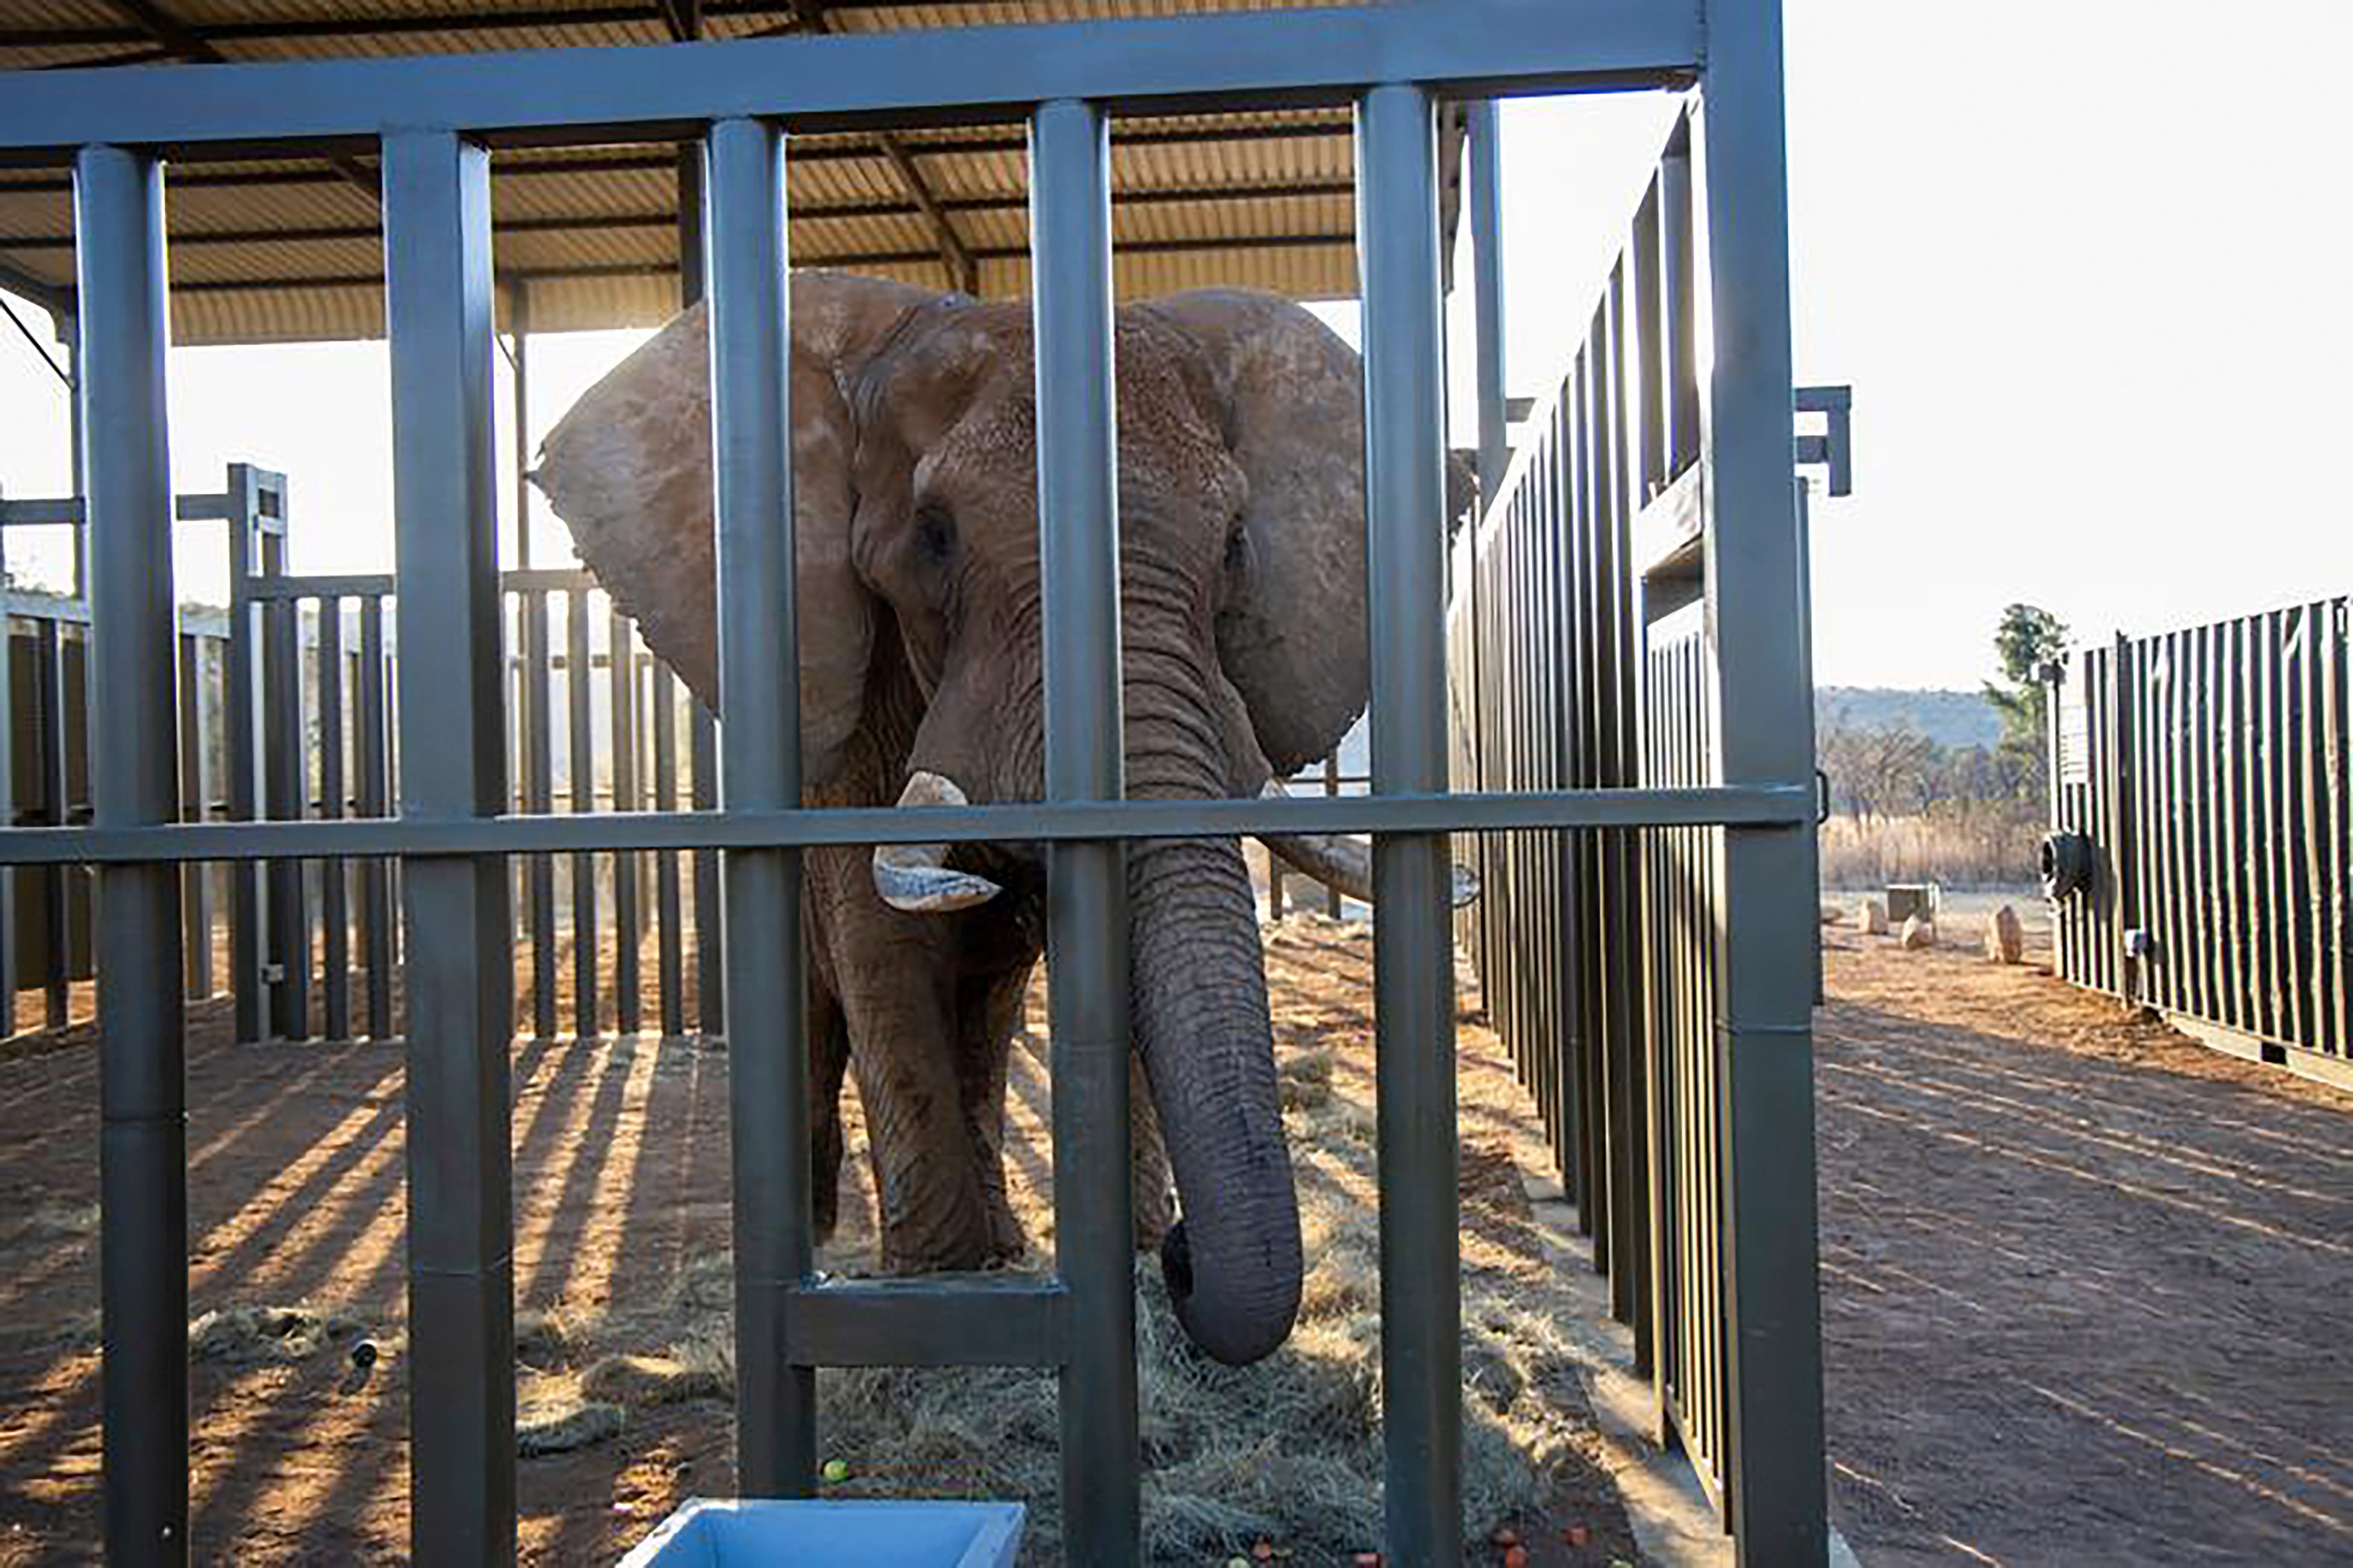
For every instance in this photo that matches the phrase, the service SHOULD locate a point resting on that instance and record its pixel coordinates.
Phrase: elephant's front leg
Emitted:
(898, 990)
(991, 1013)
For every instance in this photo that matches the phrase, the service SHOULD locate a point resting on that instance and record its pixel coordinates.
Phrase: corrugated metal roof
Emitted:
(289, 250)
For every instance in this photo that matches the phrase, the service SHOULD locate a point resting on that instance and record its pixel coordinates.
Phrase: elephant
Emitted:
(1241, 495)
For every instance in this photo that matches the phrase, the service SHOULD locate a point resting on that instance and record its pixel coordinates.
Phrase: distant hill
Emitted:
(1948, 718)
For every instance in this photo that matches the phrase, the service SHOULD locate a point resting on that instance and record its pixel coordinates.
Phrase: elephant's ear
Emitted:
(628, 467)
(1290, 631)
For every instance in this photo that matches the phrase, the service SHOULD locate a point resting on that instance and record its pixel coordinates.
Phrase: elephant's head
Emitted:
(1241, 517)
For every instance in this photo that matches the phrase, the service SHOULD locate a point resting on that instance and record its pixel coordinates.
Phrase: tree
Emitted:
(2027, 638)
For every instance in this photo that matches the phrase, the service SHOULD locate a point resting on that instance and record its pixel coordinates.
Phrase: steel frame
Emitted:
(433, 120)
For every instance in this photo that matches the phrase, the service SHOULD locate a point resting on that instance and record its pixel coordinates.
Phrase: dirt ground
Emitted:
(297, 1455)
(2085, 1283)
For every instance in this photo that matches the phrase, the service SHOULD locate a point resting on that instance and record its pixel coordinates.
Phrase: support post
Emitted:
(1756, 613)
(1405, 498)
(438, 303)
(1086, 922)
(143, 1244)
(760, 770)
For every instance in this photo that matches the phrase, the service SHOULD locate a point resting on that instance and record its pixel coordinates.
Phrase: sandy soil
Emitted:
(2085, 1283)
(620, 1149)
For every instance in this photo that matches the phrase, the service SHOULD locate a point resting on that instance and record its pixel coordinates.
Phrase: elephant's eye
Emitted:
(935, 533)
(1237, 547)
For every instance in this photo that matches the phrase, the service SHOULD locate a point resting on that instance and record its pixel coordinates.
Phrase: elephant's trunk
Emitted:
(1198, 995)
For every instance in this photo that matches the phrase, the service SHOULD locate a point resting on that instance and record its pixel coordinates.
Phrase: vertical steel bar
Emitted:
(144, 1243)
(376, 796)
(703, 735)
(1486, 156)
(334, 914)
(580, 765)
(243, 754)
(1765, 731)
(539, 787)
(666, 889)
(281, 771)
(1396, 242)
(56, 783)
(196, 907)
(438, 303)
(1332, 787)
(1087, 922)
(776, 1401)
(9, 718)
(710, 915)
(621, 661)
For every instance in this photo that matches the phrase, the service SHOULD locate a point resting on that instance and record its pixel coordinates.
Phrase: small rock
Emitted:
(1871, 918)
(2005, 940)
(1577, 1535)
(562, 1431)
(1919, 933)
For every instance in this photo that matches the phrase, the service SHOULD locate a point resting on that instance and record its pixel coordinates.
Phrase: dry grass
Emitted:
(1979, 846)
(1287, 1451)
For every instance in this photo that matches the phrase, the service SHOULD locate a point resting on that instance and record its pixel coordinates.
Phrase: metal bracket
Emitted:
(1833, 446)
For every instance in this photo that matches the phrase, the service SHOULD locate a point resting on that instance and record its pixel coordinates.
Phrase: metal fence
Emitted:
(286, 713)
(2200, 794)
(1581, 661)
(433, 121)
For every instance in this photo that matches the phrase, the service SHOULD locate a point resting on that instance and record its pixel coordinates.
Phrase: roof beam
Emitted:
(187, 43)
(622, 222)
(1190, 247)
(963, 273)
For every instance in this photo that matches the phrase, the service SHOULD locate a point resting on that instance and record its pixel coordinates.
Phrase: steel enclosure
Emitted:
(1741, 799)
(2208, 768)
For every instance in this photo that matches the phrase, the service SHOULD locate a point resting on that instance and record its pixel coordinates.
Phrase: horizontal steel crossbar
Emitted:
(1229, 61)
(941, 1320)
(1774, 805)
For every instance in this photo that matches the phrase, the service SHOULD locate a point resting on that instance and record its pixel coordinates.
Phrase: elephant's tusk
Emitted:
(1344, 864)
(916, 877)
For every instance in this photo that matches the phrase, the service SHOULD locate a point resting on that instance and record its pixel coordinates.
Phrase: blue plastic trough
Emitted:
(717, 1533)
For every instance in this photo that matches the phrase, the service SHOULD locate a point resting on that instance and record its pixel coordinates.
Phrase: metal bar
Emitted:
(1699, 805)
(580, 763)
(666, 888)
(9, 881)
(622, 662)
(1086, 928)
(1273, 60)
(1767, 909)
(1486, 158)
(334, 912)
(56, 783)
(437, 301)
(43, 511)
(377, 926)
(1332, 900)
(1405, 434)
(364, 584)
(710, 914)
(968, 1320)
(196, 936)
(288, 927)
(776, 1401)
(143, 1245)
(539, 709)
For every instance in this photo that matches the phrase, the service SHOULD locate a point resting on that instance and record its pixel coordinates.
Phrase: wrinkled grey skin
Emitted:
(1241, 513)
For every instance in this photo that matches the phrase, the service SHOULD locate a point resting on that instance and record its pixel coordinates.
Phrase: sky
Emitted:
(2081, 261)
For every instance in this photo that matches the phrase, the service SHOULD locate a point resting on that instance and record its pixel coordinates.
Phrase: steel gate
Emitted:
(435, 122)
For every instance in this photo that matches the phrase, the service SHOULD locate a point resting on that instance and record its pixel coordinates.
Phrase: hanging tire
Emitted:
(2066, 863)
